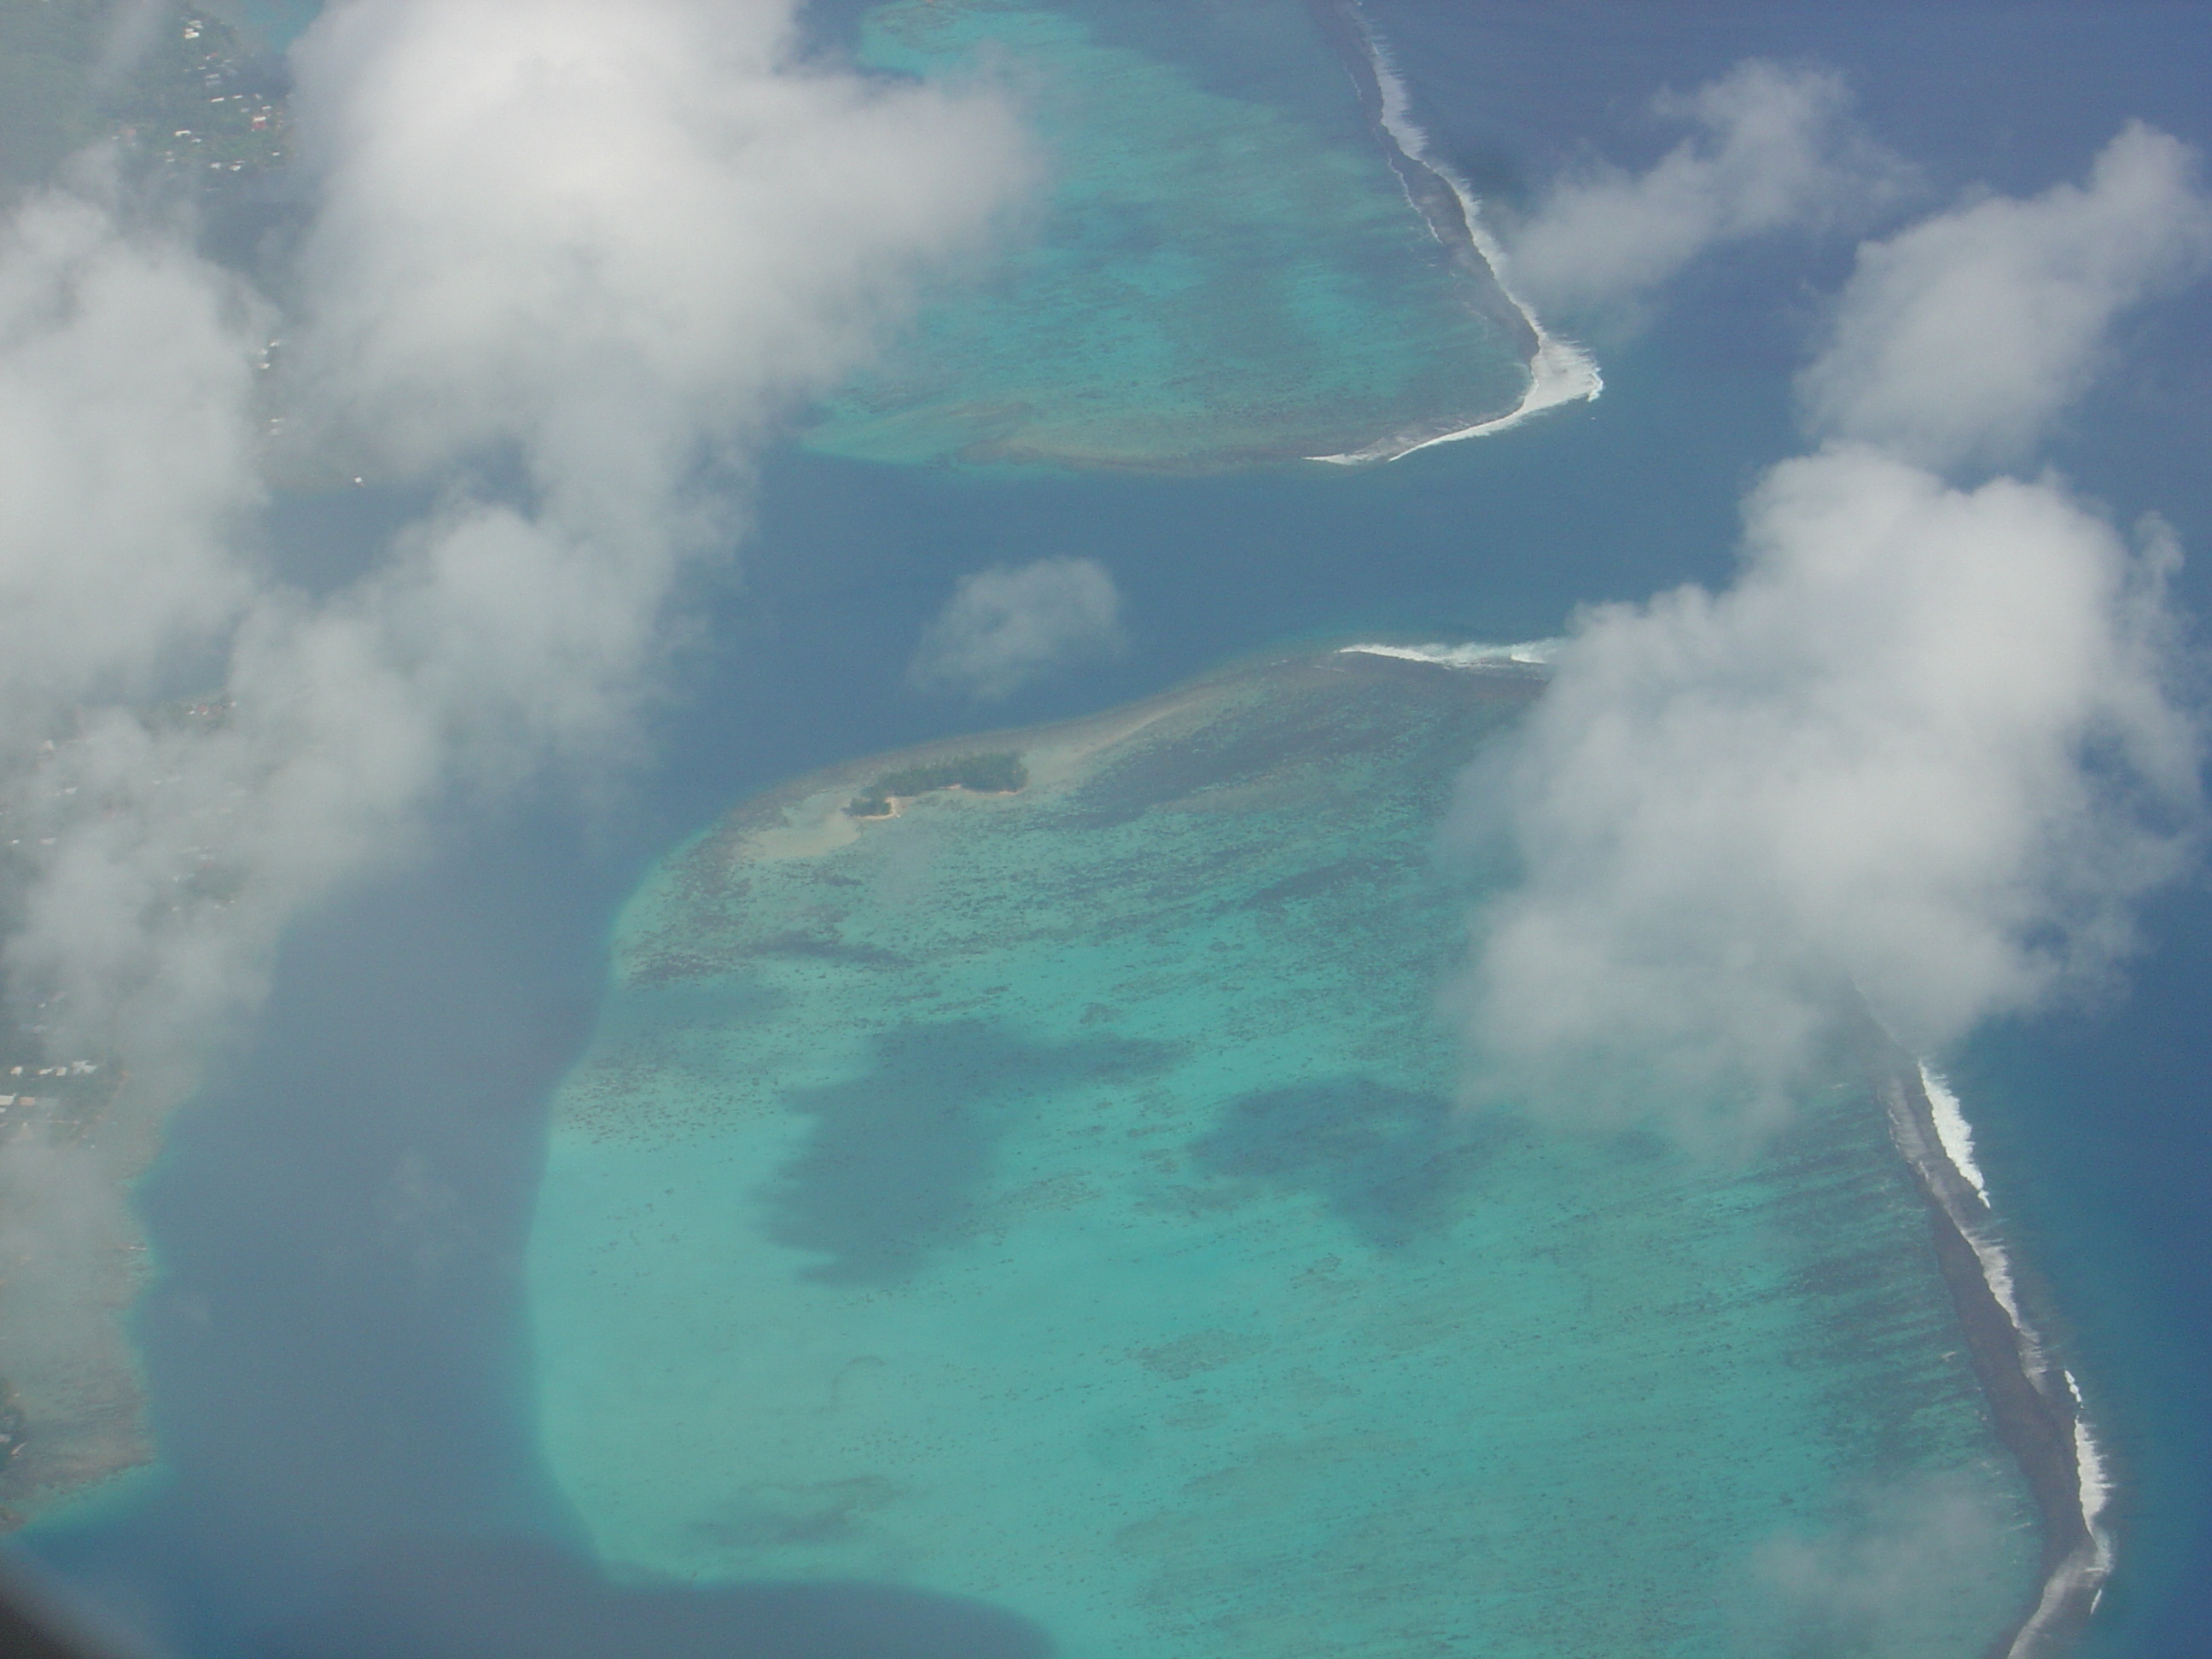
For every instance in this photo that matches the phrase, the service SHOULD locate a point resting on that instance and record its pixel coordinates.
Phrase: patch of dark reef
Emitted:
(1386, 1160)
(895, 1166)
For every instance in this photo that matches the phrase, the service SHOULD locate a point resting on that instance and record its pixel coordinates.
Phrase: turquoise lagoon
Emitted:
(1057, 1199)
(1223, 268)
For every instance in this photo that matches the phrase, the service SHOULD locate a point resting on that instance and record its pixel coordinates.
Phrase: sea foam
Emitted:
(1953, 1130)
(1559, 372)
(1528, 653)
(2082, 1574)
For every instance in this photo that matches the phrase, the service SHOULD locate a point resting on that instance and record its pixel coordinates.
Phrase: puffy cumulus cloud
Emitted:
(1005, 627)
(1961, 338)
(128, 460)
(591, 251)
(599, 247)
(1919, 758)
(127, 441)
(566, 264)
(608, 234)
(1925, 747)
(608, 244)
(126, 455)
(1775, 148)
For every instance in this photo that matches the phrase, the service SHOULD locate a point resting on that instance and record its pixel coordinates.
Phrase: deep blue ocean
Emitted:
(348, 1462)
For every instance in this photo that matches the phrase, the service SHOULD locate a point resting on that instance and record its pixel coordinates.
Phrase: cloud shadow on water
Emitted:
(898, 1158)
(1388, 1160)
(442, 1599)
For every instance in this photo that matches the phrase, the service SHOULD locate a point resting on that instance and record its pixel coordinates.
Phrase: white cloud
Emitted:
(591, 251)
(608, 234)
(1923, 747)
(1005, 627)
(1923, 753)
(1963, 337)
(598, 248)
(612, 246)
(127, 454)
(1776, 150)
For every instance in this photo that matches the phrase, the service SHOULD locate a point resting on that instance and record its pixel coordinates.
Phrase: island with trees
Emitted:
(999, 773)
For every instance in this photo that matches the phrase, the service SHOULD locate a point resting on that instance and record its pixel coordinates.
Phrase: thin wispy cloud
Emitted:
(1005, 627)
(1773, 148)
(1925, 752)
(1877, 1580)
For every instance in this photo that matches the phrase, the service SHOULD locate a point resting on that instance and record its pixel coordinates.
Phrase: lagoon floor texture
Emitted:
(1057, 1198)
(1223, 270)
(1050, 1225)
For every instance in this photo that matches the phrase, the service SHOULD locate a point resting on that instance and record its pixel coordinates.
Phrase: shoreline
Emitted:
(79, 1261)
(1529, 655)
(1559, 373)
(805, 816)
(2034, 1399)
(896, 805)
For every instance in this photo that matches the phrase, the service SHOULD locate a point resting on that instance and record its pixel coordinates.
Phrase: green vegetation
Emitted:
(999, 773)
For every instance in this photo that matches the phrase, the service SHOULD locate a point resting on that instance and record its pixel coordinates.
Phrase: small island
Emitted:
(998, 774)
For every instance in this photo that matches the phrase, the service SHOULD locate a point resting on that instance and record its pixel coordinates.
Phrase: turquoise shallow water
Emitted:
(332, 1409)
(1223, 268)
(1057, 1198)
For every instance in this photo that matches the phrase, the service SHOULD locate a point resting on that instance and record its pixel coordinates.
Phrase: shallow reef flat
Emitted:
(1057, 1199)
(1223, 269)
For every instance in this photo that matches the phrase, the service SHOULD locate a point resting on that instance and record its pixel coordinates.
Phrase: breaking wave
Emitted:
(1940, 1148)
(1528, 653)
(1559, 372)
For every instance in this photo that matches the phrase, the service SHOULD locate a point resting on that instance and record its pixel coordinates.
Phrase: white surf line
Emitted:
(1529, 653)
(2090, 1565)
(1559, 373)
(1953, 1129)
(1955, 1137)
(2096, 1487)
